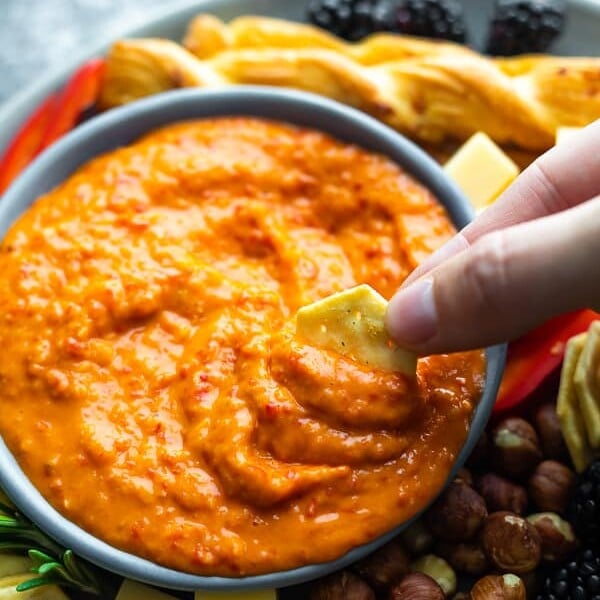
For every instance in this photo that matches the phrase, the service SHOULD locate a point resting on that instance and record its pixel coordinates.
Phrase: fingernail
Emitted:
(411, 315)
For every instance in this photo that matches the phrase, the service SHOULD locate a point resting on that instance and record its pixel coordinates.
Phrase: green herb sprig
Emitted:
(52, 564)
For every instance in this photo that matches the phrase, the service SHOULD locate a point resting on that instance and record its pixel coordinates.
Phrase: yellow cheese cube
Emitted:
(9, 584)
(564, 133)
(133, 590)
(11, 564)
(482, 170)
(255, 595)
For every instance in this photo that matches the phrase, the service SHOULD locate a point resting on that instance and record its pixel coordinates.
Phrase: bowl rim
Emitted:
(121, 126)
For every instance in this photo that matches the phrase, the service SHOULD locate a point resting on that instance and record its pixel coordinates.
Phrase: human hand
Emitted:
(534, 254)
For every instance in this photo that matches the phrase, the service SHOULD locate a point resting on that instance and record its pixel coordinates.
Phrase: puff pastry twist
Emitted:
(430, 91)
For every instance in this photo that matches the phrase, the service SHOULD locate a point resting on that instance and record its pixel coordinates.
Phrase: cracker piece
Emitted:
(352, 323)
(567, 406)
(8, 589)
(587, 384)
(13, 564)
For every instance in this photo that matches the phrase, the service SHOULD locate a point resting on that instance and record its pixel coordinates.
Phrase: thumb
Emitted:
(504, 284)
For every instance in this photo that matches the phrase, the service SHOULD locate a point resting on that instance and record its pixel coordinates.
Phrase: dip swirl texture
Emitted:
(152, 387)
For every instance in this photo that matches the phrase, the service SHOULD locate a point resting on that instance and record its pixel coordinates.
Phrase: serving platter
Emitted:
(580, 38)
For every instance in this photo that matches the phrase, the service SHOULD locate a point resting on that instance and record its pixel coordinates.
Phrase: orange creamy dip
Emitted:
(151, 386)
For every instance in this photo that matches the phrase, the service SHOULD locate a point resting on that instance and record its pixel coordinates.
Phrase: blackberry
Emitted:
(520, 26)
(349, 19)
(442, 19)
(579, 579)
(584, 508)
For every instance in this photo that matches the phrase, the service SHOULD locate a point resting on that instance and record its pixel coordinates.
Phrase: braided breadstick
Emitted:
(517, 101)
(207, 36)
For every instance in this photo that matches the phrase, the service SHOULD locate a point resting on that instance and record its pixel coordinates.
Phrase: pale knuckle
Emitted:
(547, 190)
(487, 271)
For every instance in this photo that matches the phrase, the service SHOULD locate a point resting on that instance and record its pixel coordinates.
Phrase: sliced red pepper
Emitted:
(80, 93)
(52, 119)
(533, 357)
(26, 144)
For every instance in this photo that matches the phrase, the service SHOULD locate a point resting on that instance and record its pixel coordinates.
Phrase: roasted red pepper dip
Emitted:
(151, 385)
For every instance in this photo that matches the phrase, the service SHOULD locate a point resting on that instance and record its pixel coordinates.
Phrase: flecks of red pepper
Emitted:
(53, 118)
(533, 357)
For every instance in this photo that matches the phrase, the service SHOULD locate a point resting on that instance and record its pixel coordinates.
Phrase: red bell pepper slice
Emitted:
(533, 357)
(26, 144)
(52, 119)
(80, 93)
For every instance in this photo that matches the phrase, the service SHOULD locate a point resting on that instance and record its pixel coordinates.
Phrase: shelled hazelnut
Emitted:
(549, 431)
(464, 476)
(501, 494)
(342, 585)
(417, 539)
(458, 513)
(515, 447)
(466, 557)
(438, 569)
(417, 586)
(510, 543)
(386, 566)
(480, 455)
(531, 581)
(557, 536)
(551, 485)
(499, 587)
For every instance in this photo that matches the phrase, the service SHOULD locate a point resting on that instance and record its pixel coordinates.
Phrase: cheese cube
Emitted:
(482, 170)
(133, 590)
(564, 133)
(47, 592)
(254, 595)
(11, 564)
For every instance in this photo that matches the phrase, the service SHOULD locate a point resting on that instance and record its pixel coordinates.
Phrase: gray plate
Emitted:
(581, 37)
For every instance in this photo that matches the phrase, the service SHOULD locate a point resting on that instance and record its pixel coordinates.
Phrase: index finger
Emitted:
(565, 176)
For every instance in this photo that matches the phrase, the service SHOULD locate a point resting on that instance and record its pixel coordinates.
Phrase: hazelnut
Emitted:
(386, 566)
(501, 494)
(417, 586)
(549, 431)
(515, 447)
(480, 455)
(510, 543)
(464, 476)
(417, 538)
(551, 485)
(532, 582)
(556, 535)
(499, 587)
(457, 514)
(466, 557)
(342, 585)
(438, 569)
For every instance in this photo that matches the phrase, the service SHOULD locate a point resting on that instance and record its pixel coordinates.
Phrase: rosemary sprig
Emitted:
(52, 564)
(68, 572)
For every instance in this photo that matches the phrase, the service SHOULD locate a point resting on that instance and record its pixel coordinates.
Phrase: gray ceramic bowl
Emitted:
(121, 126)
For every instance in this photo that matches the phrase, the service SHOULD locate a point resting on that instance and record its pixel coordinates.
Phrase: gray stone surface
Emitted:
(38, 34)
